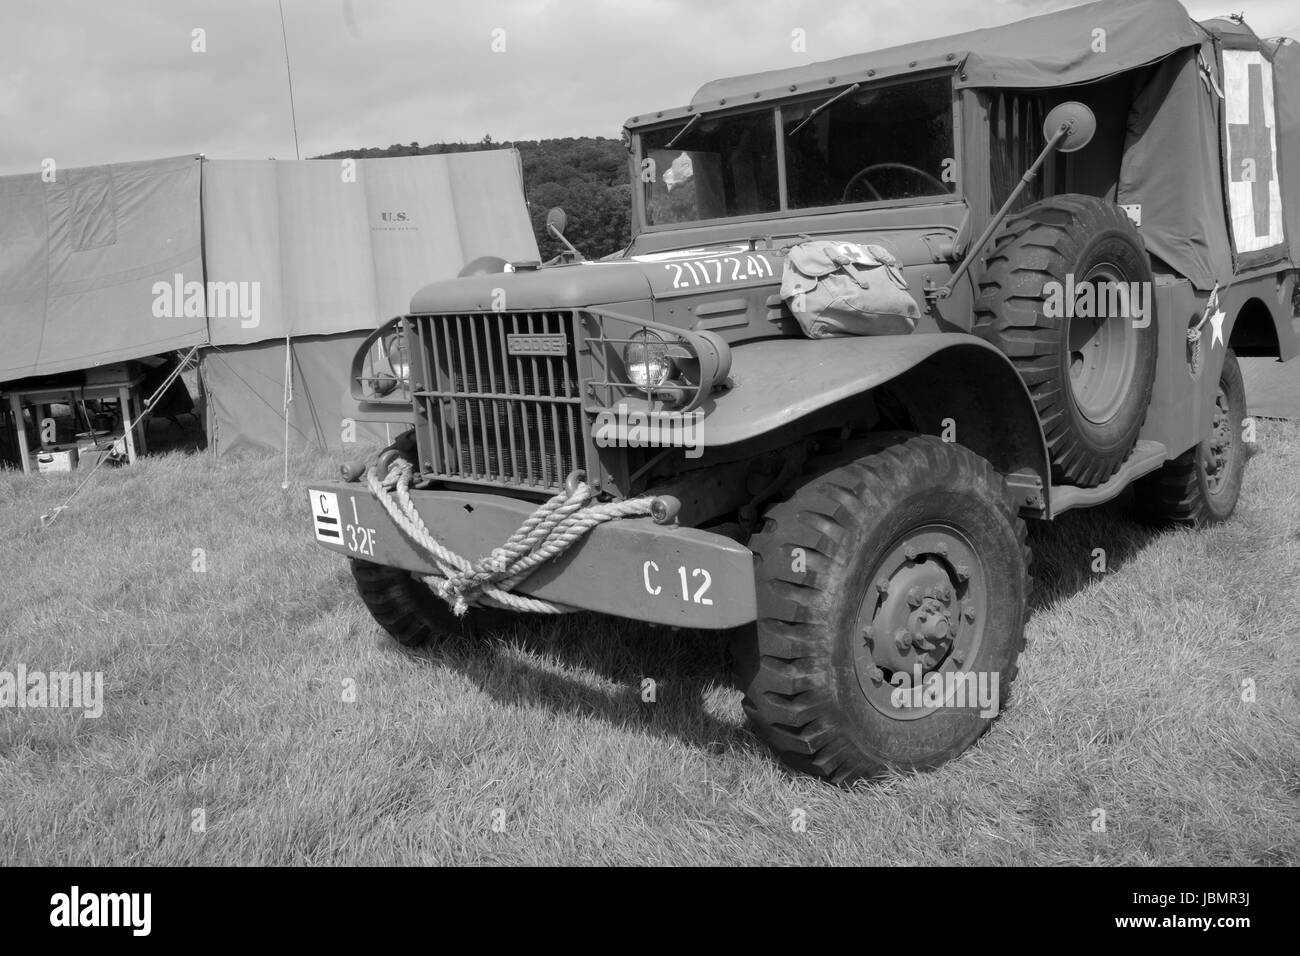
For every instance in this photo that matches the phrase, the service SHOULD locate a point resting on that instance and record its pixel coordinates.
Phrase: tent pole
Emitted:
(288, 399)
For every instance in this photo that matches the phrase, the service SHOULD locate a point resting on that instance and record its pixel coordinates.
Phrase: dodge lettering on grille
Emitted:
(522, 344)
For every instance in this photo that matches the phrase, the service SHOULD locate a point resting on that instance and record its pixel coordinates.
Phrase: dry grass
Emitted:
(224, 691)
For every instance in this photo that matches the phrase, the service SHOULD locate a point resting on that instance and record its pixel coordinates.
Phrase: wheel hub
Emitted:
(1102, 351)
(924, 614)
(1218, 447)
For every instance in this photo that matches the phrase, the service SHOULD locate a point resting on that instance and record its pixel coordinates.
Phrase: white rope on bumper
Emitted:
(547, 533)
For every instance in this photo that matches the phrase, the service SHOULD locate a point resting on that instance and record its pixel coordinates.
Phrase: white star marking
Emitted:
(1216, 325)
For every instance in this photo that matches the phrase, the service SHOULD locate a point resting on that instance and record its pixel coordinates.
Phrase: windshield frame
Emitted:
(775, 109)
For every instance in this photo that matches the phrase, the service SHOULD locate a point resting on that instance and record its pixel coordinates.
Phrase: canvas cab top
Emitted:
(1223, 101)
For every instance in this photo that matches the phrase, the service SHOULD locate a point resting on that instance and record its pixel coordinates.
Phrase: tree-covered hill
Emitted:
(587, 176)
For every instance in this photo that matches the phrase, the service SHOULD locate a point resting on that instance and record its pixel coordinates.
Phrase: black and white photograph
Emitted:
(650, 433)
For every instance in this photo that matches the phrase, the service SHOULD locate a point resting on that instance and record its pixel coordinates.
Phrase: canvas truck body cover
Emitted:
(1078, 45)
(1193, 120)
(1286, 83)
(79, 257)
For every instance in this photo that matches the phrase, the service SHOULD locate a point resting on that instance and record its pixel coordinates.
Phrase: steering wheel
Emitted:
(861, 174)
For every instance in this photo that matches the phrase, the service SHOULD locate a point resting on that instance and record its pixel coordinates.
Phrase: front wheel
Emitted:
(892, 593)
(413, 615)
(1202, 485)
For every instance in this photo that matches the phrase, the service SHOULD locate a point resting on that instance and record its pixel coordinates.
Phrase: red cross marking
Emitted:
(1252, 140)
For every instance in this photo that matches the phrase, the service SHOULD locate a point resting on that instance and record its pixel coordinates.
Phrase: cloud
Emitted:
(87, 82)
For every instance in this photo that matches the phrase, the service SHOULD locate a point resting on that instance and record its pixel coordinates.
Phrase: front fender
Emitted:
(954, 385)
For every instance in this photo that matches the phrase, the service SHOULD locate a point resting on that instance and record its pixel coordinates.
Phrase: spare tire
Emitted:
(1089, 365)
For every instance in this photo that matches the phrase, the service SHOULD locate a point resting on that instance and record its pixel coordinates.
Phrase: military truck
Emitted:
(1093, 213)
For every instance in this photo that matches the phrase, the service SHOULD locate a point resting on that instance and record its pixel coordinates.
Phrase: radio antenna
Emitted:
(293, 115)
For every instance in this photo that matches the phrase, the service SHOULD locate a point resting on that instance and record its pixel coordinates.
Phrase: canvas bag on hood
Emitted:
(843, 288)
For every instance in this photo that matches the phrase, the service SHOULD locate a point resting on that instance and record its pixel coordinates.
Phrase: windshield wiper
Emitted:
(682, 132)
(811, 116)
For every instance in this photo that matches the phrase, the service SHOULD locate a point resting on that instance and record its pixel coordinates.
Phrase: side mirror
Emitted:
(1077, 121)
(1068, 127)
(556, 220)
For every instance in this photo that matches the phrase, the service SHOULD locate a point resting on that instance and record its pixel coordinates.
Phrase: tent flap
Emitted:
(244, 390)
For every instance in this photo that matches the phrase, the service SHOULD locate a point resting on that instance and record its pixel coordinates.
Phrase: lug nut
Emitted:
(968, 609)
(909, 552)
(963, 572)
(902, 640)
(941, 549)
(914, 597)
(868, 633)
(958, 658)
(882, 586)
(876, 675)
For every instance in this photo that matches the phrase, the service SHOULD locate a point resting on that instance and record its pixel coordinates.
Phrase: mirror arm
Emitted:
(550, 227)
(946, 290)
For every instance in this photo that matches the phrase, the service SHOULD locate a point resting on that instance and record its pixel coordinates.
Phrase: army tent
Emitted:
(257, 262)
(80, 253)
(327, 250)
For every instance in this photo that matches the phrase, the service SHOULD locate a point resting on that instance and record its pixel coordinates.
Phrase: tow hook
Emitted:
(403, 447)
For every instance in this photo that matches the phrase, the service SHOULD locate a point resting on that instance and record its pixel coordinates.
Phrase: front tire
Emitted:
(411, 613)
(1202, 485)
(910, 561)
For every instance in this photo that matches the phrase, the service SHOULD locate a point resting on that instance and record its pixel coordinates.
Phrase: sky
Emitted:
(97, 81)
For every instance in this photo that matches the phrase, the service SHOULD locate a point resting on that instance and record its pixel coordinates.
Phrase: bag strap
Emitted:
(852, 268)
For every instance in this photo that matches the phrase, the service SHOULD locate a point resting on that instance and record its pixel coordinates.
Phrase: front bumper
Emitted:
(629, 567)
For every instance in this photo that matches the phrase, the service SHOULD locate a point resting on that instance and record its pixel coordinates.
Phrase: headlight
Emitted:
(646, 360)
(398, 360)
(387, 365)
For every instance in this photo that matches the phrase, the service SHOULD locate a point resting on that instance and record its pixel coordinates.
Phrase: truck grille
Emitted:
(486, 416)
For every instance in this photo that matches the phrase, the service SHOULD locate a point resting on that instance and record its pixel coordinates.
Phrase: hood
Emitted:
(554, 287)
(729, 269)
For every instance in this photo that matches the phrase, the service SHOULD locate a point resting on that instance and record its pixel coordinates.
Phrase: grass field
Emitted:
(226, 691)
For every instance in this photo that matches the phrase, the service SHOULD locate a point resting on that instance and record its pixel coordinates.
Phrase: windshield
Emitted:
(877, 144)
(717, 168)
